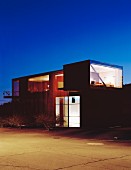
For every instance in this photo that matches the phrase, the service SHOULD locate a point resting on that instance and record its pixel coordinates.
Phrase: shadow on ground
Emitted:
(112, 134)
(99, 134)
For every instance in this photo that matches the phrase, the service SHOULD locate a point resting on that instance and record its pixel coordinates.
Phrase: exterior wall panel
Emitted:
(76, 76)
(101, 108)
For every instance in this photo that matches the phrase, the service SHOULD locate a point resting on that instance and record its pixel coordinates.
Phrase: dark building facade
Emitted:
(83, 94)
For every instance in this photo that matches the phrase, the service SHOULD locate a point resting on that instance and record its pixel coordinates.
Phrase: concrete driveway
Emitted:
(43, 150)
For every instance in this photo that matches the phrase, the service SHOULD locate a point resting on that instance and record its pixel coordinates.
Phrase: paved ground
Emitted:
(43, 150)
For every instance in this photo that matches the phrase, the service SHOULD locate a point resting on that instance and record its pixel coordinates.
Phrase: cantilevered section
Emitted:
(92, 74)
(105, 75)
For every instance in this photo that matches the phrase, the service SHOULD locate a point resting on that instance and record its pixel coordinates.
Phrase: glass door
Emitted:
(62, 111)
(68, 111)
(74, 111)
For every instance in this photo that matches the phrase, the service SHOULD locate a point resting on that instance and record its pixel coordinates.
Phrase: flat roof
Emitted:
(35, 75)
(90, 61)
(106, 64)
(97, 62)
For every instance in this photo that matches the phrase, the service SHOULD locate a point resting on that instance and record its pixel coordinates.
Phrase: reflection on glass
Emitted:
(16, 88)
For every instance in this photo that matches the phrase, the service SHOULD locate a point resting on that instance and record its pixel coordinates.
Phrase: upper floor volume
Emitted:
(75, 76)
(92, 74)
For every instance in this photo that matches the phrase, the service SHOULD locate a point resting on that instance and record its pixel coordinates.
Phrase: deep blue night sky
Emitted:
(41, 35)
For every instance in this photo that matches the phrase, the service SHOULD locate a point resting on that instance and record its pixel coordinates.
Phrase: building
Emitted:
(83, 94)
(126, 110)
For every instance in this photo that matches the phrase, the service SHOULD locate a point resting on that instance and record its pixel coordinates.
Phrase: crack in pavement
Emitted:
(101, 160)
(91, 162)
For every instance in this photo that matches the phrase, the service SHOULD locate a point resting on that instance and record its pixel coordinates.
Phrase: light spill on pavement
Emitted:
(95, 144)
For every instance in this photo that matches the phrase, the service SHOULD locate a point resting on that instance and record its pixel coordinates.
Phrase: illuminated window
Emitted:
(68, 109)
(60, 85)
(104, 75)
(59, 79)
(38, 84)
(74, 111)
(62, 111)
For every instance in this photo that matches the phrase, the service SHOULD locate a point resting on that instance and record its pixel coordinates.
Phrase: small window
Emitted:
(16, 88)
(59, 81)
(60, 84)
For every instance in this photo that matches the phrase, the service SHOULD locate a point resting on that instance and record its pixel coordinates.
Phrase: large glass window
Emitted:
(104, 75)
(38, 84)
(74, 111)
(16, 88)
(68, 111)
(62, 111)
